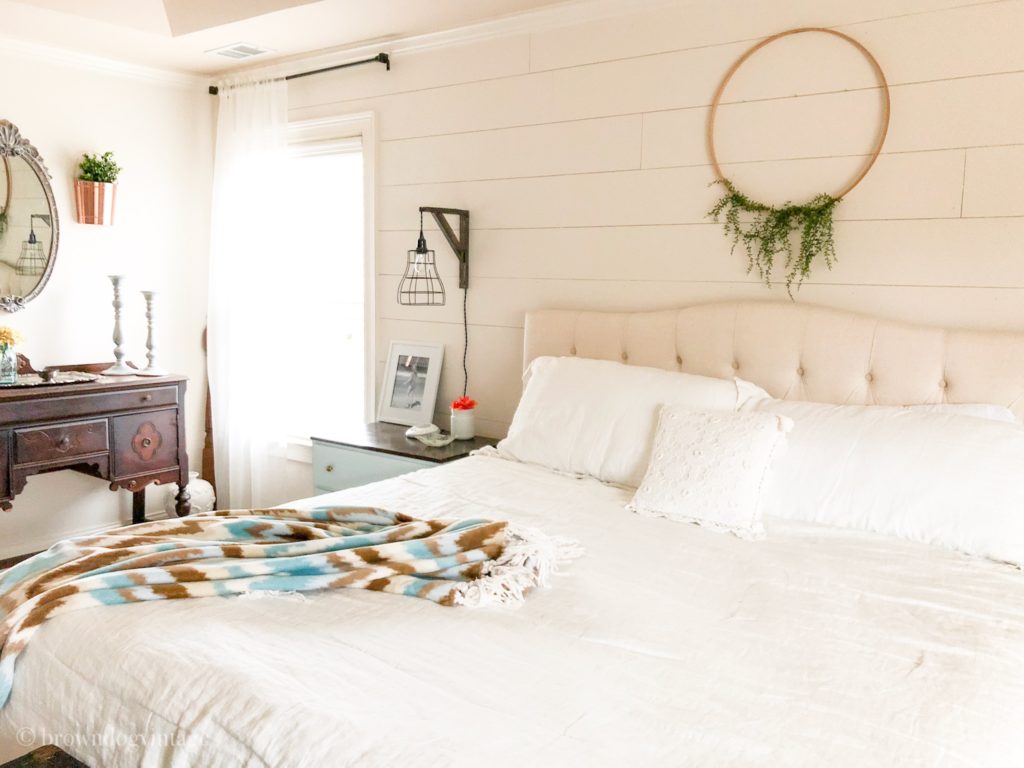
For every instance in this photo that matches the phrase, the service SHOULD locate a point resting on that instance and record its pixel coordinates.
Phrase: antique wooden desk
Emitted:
(129, 430)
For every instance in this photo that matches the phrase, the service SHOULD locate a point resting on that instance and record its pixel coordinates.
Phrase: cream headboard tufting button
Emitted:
(943, 384)
(735, 365)
(625, 357)
(800, 371)
(572, 351)
(869, 377)
(679, 360)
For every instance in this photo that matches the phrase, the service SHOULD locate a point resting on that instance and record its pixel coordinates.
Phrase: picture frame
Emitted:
(411, 377)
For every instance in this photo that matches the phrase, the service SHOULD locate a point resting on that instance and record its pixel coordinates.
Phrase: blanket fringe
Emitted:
(528, 561)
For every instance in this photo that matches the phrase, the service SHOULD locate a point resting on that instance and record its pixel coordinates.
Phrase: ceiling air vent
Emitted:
(239, 51)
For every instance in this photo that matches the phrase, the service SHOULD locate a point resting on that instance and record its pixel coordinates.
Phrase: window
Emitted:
(322, 208)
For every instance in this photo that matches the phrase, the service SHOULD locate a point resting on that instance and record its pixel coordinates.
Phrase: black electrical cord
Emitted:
(465, 341)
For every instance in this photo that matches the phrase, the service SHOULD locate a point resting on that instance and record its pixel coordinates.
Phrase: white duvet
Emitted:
(665, 645)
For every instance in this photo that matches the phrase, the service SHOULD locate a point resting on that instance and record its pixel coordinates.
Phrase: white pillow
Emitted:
(754, 393)
(977, 410)
(708, 467)
(597, 418)
(933, 477)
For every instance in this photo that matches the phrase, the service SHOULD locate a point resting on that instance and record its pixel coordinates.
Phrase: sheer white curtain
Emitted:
(247, 337)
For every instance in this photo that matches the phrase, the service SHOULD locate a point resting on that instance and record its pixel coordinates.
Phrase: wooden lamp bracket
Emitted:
(460, 244)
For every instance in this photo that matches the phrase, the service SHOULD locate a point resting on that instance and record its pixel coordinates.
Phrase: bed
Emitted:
(815, 646)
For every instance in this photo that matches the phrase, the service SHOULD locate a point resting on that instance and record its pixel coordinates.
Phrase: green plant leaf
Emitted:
(102, 169)
(766, 231)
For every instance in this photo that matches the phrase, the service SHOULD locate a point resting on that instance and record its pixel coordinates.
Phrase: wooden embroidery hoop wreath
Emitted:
(713, 114)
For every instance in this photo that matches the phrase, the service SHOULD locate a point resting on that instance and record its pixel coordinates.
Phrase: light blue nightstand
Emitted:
(378, 451)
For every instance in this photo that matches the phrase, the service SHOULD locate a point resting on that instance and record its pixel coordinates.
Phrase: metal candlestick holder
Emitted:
(120, 367)
(152, 369)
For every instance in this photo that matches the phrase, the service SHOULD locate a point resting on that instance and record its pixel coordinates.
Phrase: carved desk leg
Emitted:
(182, 504)
(139, 506)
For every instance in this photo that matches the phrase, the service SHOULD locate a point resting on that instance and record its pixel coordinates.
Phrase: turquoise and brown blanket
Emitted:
(451, 562)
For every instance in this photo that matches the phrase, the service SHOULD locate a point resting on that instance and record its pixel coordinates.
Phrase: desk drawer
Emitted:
(40, 445)
(145, 442)
(337, 467)
(59, 407)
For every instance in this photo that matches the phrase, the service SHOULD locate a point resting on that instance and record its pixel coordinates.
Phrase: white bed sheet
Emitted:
(665, 645)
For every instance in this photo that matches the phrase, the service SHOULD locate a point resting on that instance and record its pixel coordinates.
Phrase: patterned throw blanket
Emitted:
(451, 562)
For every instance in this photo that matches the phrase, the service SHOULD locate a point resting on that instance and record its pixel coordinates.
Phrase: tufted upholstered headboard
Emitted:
(798, 351)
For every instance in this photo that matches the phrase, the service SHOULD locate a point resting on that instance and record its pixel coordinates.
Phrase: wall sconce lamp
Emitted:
(33, 259)
(421, 284)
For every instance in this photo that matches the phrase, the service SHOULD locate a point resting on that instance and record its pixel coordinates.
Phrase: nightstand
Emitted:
(378, 451)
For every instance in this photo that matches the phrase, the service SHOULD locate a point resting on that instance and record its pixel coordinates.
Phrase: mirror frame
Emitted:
(13, 144)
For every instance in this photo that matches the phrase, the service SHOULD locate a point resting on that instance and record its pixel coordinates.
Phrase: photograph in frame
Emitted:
(411, 378)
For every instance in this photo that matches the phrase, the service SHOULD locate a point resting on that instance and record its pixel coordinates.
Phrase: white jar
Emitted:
(202, 498)
(463, 427)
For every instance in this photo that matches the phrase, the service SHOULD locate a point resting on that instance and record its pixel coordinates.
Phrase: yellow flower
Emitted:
(9, 337)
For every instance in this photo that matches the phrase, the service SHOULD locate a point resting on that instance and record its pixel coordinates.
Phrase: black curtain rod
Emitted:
(382, 58)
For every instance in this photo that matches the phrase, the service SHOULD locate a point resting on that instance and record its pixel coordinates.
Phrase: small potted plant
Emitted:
(463, 427)
(96, 189)
(9, 339)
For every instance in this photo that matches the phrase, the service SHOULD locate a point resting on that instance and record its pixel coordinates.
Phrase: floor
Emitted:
(15, 560)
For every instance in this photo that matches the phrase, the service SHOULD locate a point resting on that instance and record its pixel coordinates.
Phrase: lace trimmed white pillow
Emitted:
(708, 468)
(598, 418)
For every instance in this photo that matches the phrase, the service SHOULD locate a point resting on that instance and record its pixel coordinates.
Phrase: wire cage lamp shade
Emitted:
(32, 261)
(421, 284)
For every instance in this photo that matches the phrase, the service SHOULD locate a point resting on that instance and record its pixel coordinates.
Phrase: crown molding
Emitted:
(533, 21)
(528, 22)
(98, 64)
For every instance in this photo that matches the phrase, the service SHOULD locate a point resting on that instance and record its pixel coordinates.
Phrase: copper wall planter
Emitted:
(94, 201)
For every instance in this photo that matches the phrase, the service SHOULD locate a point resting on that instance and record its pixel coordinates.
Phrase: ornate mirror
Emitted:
(29, 229)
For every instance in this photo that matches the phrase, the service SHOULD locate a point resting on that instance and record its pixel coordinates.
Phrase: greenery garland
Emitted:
(766, 231)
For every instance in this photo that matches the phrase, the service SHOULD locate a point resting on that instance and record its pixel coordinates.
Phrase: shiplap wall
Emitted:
(580, 152)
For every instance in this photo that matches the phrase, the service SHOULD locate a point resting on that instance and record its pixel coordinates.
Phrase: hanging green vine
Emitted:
(3, 222)
(766, 231)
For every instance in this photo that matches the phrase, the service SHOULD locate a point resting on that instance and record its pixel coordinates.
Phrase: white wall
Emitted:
(160, 130)
(580, 152)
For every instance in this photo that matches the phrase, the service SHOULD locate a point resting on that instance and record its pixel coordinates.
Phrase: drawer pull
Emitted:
(146, 398)
(147, 441)
(329, 467)
(59, 442)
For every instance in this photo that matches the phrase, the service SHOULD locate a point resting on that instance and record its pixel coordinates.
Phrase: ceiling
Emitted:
(177, 34)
